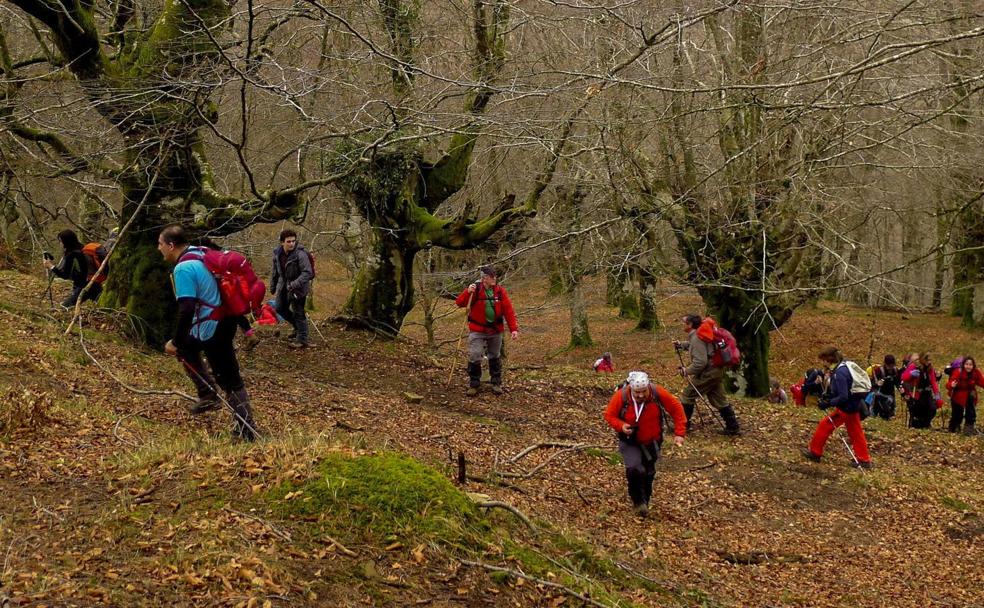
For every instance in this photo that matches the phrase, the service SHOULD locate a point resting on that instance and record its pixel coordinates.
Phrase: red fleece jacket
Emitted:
(651, 423)
(476, 314)
(962, 385)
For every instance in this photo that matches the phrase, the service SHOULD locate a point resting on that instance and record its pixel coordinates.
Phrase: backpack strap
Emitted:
(496, 297)
(197, 253)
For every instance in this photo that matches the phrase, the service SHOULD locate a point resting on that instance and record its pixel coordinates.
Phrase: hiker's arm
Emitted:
(307, 273)
(841, 387)
(698, 356)
(274, 275)
(186, 318)
(462, 300)
(507, 309)
(674, 408)
(611, 412)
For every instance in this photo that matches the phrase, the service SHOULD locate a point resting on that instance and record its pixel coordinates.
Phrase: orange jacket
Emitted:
(650, 427)
(476, 314)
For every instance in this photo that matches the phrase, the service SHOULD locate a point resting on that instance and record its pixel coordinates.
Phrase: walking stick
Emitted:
(219, 395)
(51, 279)
(457, 348)
(700, 397)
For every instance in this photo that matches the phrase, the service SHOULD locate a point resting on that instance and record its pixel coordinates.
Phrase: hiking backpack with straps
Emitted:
(860, 381)
(726, 352)
(240, 290)
(480, 297)
(653, 396)
(94, 254)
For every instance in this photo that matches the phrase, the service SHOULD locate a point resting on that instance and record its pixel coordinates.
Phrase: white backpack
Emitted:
(860, 382)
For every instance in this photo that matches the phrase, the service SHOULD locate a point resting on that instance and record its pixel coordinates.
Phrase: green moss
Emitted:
(956, 504)
(380, 495)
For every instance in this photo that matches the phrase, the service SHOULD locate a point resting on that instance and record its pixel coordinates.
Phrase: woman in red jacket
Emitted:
(962, 387)
(636, 413)
(924, 393)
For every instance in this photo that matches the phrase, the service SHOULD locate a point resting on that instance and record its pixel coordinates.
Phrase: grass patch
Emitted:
(956, 504)
(382, 495)
(613, 458)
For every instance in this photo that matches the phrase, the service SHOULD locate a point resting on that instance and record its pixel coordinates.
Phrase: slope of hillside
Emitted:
(114, 495)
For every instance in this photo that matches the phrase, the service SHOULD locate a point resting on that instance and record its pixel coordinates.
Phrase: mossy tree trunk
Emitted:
(398, 191)
(164, 173)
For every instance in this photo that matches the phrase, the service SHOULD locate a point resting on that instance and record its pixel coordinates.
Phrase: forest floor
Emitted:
(114, 495)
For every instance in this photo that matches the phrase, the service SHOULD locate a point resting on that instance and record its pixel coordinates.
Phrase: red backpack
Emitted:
(239, 287)
(94, 254)
(726, 353)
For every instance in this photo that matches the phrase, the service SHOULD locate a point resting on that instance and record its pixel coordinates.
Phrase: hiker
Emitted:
(604, 364)
(75, 267)
(198, 331)
(885, 378)
(846, 397)
(637, 412)
(703, 378)
(776, 395)
(489, 310)
(924, 392)
(290, 281)
(952, 366)
(250, 339)
(962, 387)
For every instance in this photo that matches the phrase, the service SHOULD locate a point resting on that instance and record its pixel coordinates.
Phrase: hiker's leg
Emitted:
(650, 456)
(199, 375)
(730, 419)
(72, 298)
(243, 425)
(283, 307)
(300, 318)
(971, 412)
(825, 427)
(476, 349)
(856, 433)
(222, 357)
(688, 398)
(956, 416)
(635, 471)
(243, 322)
(494, 350)
(92, 294)
(712, 385)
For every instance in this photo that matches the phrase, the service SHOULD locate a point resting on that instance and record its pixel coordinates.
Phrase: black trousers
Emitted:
(922, 410)
(640, 467)
(92, 294)
(959, 413)
(221, 358)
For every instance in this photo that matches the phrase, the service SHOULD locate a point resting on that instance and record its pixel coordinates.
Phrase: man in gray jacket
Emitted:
(704, 377)
(290, 281)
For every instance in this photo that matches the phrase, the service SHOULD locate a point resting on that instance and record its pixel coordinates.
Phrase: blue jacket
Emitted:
(840, 391)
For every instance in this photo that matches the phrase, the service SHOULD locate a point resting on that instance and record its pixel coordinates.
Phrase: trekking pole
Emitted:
(850, 451)
(219, 395)
(700, 398)
(457, 348)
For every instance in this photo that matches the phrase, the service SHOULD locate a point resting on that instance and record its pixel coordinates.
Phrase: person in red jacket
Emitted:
(924, 392)
(604, 364)
(636, 413)
(962, 387)
(489, 309)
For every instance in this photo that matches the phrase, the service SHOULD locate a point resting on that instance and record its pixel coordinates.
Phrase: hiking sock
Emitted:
(495, 371)
(688, 409)
(474, 374)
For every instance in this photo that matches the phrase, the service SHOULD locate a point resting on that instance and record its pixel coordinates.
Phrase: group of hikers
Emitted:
(639, 409)
(217, 292)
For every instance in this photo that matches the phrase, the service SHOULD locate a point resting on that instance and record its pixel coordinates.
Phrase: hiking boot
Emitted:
(204, 404)
(497, 389)
(730, 432)
(297, 344)
(472, 391)
(250, 342)
(809, 455)
(862, 464)
(292, 337)
(970, 430)
(642, 509)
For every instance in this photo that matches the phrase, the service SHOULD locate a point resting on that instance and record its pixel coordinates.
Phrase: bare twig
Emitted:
(539, 581)
(496, 504)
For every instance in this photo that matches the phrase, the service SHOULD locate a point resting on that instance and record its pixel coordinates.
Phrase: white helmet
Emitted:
(638, 380)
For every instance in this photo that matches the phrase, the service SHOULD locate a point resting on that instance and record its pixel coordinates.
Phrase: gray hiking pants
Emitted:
(482, 343)
(640, 467)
